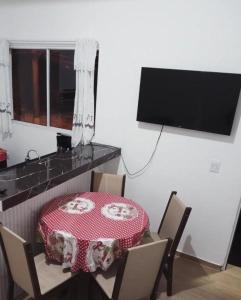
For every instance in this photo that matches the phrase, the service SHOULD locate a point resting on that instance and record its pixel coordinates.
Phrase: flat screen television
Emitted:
(198, 100)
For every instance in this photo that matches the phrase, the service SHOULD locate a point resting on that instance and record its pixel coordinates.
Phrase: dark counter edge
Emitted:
(43, 187)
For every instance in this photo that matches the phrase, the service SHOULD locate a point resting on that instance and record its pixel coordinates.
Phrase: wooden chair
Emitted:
(30, 273)
(108, 183)
(138, 275)
(172, 225)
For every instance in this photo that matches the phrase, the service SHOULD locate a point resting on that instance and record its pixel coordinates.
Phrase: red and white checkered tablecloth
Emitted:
(90, 230)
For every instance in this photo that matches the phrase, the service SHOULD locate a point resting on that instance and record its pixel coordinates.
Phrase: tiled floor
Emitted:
(192, 281)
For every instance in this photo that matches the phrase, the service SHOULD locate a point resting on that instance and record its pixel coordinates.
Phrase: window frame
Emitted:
(43, 45)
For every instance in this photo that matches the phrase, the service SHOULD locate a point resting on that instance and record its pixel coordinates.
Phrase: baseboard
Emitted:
(200, 261)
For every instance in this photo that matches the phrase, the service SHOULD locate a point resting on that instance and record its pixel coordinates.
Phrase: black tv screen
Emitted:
(196, 100)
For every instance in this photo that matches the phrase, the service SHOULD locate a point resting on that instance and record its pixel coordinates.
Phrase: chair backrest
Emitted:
(174, 221)
(20, 262)
(140, 273)
(107, 183)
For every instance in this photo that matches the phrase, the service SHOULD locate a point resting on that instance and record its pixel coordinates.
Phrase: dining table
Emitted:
(89, 231)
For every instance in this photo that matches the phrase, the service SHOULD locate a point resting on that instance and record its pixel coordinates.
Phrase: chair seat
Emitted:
(106, 280)
(150, 237)
(49, 275)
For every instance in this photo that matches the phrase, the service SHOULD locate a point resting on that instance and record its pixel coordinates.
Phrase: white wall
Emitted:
(25, 137)
(187, 34)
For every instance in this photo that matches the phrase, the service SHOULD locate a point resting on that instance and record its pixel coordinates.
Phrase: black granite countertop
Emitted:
(26, 180)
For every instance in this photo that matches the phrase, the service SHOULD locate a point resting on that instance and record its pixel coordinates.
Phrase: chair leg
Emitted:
(95, 292)
(10, 295)
(169, 274)
(153, 296)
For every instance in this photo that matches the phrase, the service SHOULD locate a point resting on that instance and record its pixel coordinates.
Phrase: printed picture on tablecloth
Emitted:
(78, 206)
(101, 253)
(63, 248)
(119, 211)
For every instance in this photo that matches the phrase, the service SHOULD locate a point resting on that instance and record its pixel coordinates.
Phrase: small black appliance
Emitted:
(63, 142)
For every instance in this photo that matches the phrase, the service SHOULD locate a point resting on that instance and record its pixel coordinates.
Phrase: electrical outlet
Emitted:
(215, 166)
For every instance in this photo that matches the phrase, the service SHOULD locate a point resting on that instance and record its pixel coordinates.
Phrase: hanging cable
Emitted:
(140, 171)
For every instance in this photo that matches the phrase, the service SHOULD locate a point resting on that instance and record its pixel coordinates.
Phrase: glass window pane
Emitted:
(62, 88)
(29, 85)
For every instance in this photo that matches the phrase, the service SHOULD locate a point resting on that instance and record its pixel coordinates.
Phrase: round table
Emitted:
(90, 230)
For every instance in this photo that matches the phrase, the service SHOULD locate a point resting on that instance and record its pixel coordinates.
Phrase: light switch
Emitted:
(215, 166)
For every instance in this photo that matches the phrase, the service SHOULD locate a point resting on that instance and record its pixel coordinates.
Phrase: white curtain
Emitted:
(5, 90)
(83, 119)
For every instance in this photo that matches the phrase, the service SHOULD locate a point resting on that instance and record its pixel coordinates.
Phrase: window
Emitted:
(44, 86)
(29, 86)
(62, 88)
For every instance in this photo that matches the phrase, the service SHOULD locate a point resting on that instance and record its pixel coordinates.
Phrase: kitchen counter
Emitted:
(26, 180)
